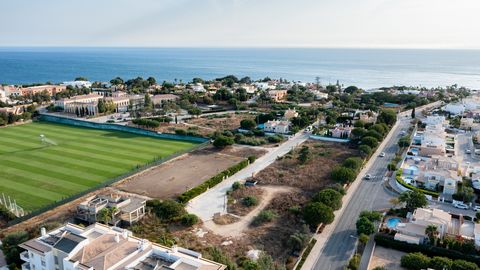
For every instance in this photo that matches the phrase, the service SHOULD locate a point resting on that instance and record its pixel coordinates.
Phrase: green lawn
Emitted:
(37, 175)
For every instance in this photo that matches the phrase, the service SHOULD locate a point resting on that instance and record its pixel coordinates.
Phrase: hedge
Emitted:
(388, 241)
(213, 181)
(398, 177)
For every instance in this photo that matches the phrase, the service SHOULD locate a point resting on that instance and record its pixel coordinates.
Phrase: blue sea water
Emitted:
(367, 68)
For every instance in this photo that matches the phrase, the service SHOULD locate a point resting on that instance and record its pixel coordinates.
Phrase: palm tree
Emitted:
(432, 232)
(395, 201)
(104, 216)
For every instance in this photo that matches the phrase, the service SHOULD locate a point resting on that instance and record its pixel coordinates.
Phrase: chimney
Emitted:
(117, 238)
(174, 249)
(125, 234)
(43, 231)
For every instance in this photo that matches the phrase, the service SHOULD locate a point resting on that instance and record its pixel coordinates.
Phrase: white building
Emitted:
(414, 231)
(100, 247)
(78, 84)
(454, 109)
(3, 95)
(87, 102)
(277, 126)
(198, 87)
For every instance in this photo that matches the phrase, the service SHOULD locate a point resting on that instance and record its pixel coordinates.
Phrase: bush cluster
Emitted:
(419, 261)
(388, 241)
(215, 180)
(398, 177)
(144, 122)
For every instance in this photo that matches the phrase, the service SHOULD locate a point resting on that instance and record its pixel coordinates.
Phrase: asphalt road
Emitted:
(370, 195)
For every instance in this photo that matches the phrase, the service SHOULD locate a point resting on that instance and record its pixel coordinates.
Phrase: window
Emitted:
(43, 261)
(55, 259)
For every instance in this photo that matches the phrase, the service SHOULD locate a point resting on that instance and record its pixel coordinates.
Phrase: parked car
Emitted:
(250, 183)
(382, 154)
(476, 208)
(461, 206)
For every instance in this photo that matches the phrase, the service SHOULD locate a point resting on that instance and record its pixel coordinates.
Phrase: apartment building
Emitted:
(88, 102)
(100, 247)
(50, 89)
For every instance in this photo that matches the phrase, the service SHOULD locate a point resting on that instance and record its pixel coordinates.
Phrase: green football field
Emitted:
(36, 174)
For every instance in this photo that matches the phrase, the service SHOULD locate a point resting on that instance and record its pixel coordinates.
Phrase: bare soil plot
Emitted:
(171, 178)
(226, 121)
(235, 200)
(311, 176)
(385, 257)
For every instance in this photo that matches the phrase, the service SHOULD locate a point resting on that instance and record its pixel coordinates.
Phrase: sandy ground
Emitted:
(388, 258)
(236, 229)
(171, 178)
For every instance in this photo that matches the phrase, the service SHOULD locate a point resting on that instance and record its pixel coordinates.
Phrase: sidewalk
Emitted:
(323, 237)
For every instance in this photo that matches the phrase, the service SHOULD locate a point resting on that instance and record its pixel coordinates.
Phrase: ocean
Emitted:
(366, 68)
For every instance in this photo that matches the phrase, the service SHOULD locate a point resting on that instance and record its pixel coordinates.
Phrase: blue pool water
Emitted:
(392, 222)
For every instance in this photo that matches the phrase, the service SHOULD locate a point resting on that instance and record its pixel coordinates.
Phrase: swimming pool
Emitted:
(392, 222)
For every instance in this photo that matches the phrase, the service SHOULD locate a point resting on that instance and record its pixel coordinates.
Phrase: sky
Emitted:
(242, 23)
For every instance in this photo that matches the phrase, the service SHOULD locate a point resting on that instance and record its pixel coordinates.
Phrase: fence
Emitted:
(328, 139)
(108, 126)
(104, 184)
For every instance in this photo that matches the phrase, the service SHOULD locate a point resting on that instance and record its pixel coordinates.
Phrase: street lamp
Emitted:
(356, 243)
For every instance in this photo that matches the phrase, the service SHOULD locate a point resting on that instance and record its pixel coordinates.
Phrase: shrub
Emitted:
(252, 159)
(248, 124)
(298, 241)
(167, 210)
(374, 134)
(329, 197)
(371, 215)
(223, 141)
(363, 238)
(10, 246)
(263, 217)
(315, 213)
(189, 220)
(182, 132)
(354, 262)
(236, 185)
(274, 139)
(415, 261)
(441, 263)
(463, 265)
(249, 201)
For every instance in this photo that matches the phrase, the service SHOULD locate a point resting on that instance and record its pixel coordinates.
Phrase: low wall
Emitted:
(328, 139)
(108, 126)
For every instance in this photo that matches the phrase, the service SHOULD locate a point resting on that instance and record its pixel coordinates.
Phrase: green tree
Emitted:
(413, 199)
(195, 111)
(315, 213)
(10, 246)
(374, 134)
(354, 163)
(343, 175)
(413, 113)
(101, 106)
(365, 226)
(371, 215)
(379, 128)
(365, 150)
(250, 265)
(298, 241)
(265, 262)
(81, 79)
(358, 132)
(248, 124)
(148, 103)
(370, 141)
(359, 124)
(117, 81)
(387, 116)
(432, 233)
(415, 261)
(404, 142)
(223, 141)
(329, 197)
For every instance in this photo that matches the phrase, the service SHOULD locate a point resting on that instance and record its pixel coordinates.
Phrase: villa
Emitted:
(277, 95)
(414, 231)
(128, 210)
(101, 247)
(366, 116)
(290, 114)
(277, 126)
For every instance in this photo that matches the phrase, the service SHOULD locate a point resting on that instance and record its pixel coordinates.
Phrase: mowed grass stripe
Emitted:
(133, 155)
(62, 168)
(115, 137)
(40, 170)
(32, 190)
(86, 164)
(58, 186)
(82, 159)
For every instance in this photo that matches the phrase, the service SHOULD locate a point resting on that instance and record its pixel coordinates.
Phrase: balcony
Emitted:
(24, 256)
(26, 266)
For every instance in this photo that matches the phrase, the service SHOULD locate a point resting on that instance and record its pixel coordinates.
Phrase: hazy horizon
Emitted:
(377, 24)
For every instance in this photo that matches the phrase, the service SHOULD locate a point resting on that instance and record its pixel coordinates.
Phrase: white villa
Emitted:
(99, 247)
(277, 126)
(87, 102)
